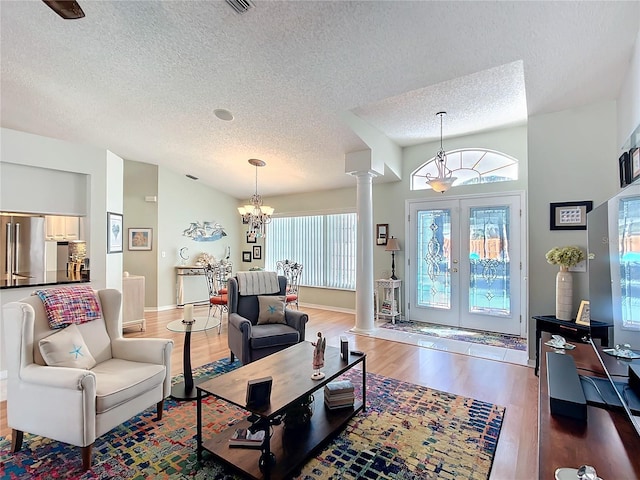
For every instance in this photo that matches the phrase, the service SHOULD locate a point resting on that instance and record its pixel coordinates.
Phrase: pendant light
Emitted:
(445, 178)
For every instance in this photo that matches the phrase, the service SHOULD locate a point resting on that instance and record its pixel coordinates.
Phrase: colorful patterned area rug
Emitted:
(407, 432)
(462, 334)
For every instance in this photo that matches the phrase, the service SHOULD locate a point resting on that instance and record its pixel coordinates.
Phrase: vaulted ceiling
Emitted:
(143, 78)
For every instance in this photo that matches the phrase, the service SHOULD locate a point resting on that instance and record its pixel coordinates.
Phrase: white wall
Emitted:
(180, 202)
(104, 175)
(573, 156)
(629, 100)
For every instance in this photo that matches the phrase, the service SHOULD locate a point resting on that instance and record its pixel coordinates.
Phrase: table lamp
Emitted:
(393, 246)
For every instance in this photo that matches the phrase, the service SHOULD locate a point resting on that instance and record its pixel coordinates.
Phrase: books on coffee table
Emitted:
(339, 394)
(242, 437)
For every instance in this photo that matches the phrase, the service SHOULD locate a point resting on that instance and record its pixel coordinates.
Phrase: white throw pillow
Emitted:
(66, 349)
(271, 309)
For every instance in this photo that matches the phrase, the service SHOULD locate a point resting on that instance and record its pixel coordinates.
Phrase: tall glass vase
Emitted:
(564, 294)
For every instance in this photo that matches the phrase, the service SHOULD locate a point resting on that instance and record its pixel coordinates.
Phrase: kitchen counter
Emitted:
(55, 277)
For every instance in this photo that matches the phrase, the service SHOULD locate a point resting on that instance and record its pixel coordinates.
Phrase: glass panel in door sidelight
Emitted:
(489, 277)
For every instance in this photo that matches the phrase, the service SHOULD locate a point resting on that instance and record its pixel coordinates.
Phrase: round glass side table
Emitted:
(186, 390)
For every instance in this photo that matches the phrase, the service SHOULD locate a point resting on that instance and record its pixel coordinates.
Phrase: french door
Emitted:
(464, 265)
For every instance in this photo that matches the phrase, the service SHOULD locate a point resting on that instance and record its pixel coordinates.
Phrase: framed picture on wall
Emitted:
(251, 237)
(624, 169)
(114, 232)
(257, 252)
(246, 257)
(140, 238)
(382, 233)
(634, 161)
(569, 215)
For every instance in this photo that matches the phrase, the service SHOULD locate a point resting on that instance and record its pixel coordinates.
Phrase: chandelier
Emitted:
(445, 178)
(256, 215)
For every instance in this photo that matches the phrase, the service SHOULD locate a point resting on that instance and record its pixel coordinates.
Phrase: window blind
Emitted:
(324, 244)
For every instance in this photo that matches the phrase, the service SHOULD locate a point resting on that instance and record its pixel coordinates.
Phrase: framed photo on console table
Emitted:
(569, 215)
(259, 392)
(583, 317)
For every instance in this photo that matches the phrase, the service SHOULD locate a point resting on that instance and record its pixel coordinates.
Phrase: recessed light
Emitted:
(223, 114)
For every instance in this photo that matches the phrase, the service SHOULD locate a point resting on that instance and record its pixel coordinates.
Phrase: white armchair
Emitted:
(75, 405)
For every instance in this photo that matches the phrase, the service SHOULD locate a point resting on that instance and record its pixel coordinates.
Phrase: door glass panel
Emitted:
(489, 282)
(629, 247)
(434, 258)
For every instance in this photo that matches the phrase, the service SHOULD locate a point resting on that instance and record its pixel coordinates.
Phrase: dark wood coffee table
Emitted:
(291, 371)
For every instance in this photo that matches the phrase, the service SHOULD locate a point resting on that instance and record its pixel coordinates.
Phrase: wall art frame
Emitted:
(624, 168)
(634, 164)
(251, 237)
(140, 238)
(569, 215)
(382, 233)
(114, 232)
(246, 256)
(257, 252)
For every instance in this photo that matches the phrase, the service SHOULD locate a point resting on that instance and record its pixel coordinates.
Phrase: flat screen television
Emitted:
(613, 232)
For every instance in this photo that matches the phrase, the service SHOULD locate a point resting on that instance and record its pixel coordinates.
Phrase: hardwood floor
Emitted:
(511, 386)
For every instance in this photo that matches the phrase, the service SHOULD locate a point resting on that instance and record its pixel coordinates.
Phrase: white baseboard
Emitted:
(326, 307)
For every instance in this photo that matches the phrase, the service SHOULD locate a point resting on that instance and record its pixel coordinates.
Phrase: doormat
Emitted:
(407, 431)
(466, 335)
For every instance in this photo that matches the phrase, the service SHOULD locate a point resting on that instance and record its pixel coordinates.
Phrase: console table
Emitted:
(607, 441)
(391, 294)
(187, 271)
(569, 330)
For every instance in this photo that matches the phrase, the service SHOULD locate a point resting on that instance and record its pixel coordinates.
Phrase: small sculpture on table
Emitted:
(318, 357)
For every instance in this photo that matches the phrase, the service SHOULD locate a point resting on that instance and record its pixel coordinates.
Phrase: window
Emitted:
(470, 166)
(324, 244)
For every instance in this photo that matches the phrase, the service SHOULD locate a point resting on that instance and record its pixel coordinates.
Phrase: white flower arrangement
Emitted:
(205, 259)
(565, 256)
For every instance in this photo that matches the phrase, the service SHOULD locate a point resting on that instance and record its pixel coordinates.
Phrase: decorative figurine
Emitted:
(318, 357)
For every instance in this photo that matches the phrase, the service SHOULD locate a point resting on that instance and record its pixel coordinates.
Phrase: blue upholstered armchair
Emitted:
(249, 340)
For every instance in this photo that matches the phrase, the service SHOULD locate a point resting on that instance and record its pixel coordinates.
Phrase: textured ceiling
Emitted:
(142, 78)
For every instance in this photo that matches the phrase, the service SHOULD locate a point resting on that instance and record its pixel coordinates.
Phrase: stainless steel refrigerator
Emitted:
(22, 246)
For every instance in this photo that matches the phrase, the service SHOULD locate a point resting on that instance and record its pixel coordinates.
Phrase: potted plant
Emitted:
(565, 257)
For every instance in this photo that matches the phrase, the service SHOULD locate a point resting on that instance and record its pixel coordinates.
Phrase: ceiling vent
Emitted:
(240, 6)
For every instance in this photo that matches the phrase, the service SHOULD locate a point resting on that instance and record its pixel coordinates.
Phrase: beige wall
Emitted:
(140, 181)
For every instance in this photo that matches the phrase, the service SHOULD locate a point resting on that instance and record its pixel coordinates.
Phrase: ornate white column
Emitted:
(364, 264)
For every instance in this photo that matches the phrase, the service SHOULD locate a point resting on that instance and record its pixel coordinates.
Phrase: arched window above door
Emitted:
(470, 166)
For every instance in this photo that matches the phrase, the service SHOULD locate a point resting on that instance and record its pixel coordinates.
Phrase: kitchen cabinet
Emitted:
(62, 229)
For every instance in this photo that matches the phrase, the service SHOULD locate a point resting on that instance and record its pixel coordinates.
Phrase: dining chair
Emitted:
(293, 272)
